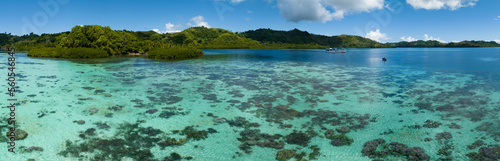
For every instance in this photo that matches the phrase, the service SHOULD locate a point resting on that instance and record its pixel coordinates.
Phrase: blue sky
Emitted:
(381, 20)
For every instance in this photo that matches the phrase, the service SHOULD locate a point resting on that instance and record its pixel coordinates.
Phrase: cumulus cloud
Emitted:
(198, 21)
(193, 22)
(440, 4)
(376, 36)
(427, 37)
(297, 10)
(342, 7)
(408, 39)
(324, 10)
(498, 41)
(169, 28)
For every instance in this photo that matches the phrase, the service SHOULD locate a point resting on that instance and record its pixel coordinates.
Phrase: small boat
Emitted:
(335, 50)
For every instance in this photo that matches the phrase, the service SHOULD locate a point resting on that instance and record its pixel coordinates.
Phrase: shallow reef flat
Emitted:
(244, 109)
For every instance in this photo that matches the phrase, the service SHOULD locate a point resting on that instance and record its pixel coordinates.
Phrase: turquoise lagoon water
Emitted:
(424, 103)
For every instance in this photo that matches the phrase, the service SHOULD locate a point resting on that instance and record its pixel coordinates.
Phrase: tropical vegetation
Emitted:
(92, 41)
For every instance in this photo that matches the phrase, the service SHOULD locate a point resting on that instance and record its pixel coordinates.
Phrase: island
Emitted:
(94, 41)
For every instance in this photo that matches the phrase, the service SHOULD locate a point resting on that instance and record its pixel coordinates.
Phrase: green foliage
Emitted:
(68, 53)
(473, 44)
(303, 37)
(28, 41)
(98, 37)
(123, 42)
(175, 53)
(434, 43)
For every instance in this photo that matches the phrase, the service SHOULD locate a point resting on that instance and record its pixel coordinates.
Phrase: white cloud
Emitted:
(324, 10)
(497, 18)
(298, 10)
(248, 19)
(342, 7)
(408, 39)
(198, 21)
(237, 1)
(170, 28)
(376, 36)
(427, 37)
(498, 41)
(440, 4)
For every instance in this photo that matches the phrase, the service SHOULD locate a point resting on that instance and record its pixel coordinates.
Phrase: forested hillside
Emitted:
(434, 43)
(119, 42)
(303, 37)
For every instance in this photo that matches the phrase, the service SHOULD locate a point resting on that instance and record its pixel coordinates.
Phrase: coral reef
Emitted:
(371, 150)
(431, 124)
(18, 134)
(192, 133)
(151, 111)
(130, 141)
(491, 152)
(299, 138)
(285, 154)
(34, 148)
(340, 140)
(80, 122)
(476, 144)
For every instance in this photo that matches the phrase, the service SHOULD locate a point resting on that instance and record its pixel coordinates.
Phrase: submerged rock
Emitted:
(34, 148)
(477, 143)
(93, 110)
(424, 106)
(491, 152)
(370, 147)
(341, 140)
(285, 154)
(343, 129)
(371, 150)
(18, 134)
(443, 136)
(329, 133)
(194, 134)
(173, 99)
(80, 122)
(171, 142)
(432, 124)
(299, 138)
(151, 111)
(219, 120)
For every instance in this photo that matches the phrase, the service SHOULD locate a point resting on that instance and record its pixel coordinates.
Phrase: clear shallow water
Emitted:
(254, 103)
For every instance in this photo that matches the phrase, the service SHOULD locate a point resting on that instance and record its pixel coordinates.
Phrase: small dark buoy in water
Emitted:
(384, 59)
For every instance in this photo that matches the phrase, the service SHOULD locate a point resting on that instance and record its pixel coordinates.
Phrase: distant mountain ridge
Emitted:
(434, 43)
(296, 36)
(214, 38)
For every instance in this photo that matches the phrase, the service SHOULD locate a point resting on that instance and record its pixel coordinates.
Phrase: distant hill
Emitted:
(123, 41)
(215, 38)
(296, 36)
(434, 43)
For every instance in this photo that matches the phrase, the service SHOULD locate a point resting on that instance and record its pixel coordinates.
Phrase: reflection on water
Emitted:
(422, 104)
